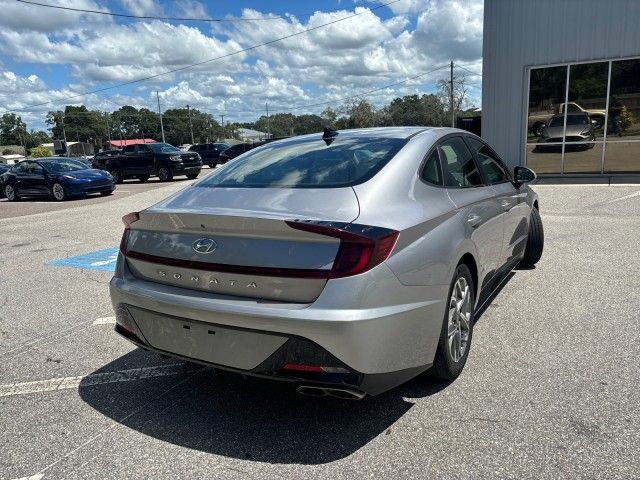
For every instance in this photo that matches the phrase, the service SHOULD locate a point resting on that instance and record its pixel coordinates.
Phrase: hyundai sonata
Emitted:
(347, 262)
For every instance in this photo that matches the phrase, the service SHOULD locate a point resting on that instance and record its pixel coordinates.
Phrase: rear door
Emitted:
(476, 201)
(37, 182)
(512, 200)
(21, 172)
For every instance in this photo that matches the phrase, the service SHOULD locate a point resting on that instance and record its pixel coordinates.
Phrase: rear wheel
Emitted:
(58, 192)
(192, 176)
(535, 241)
(164, 174)
(11, 193)
(457, 327)
(143, 178)
(116, 174)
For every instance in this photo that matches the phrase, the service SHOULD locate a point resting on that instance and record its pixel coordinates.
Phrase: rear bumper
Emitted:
(381, 346)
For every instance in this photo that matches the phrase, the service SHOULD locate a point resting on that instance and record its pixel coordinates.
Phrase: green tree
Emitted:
(39, 152)
(13, 131)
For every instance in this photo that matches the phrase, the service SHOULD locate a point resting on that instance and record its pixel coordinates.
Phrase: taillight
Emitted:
(362, 247)
(128, 220)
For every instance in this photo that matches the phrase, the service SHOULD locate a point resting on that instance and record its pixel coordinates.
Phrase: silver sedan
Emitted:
(346, 262)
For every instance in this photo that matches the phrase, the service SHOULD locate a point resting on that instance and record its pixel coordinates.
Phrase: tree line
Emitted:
(78, 123)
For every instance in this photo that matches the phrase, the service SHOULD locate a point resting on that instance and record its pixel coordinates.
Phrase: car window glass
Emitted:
(36, 169)
(20, 168)
(458, 164)
(431, 170)
(307, 162)
(492, 167)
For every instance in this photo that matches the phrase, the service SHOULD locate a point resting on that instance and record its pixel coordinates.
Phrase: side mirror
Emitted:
(523, 175)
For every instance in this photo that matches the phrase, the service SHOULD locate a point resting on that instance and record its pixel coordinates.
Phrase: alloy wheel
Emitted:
(459, 324)
(58, 191)
(10, 193)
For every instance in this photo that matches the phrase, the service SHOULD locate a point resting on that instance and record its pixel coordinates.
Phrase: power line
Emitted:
(179, 69)
(149, 17)
(156, 17)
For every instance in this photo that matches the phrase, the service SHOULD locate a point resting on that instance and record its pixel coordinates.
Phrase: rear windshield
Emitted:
(307, 163)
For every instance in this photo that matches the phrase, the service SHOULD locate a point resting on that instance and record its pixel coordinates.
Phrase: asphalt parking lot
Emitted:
(551, 389)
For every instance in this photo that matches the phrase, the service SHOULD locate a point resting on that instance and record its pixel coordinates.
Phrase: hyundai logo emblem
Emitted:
(204, 245)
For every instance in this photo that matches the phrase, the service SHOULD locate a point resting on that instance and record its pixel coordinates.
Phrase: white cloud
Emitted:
(142, 7)
(331, 62)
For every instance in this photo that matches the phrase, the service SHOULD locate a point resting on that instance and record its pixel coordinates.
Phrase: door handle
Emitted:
(473, 220)
(505, 204)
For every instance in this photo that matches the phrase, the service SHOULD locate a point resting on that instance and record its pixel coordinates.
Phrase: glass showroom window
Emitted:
(622, 154)
(584, 118)
(547, 93)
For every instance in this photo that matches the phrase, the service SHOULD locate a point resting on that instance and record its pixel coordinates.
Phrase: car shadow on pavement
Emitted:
(249, 418)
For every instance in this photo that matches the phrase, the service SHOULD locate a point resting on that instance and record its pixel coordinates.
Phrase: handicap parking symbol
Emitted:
(99, 260)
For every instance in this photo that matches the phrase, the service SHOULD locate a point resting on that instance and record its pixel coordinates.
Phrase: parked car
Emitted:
(100, 158)
(579, 134)
(347, 262)
(209, 152)
(537, 121)
(150, 159)
(238, 149)
(58, 177)
(3, 168)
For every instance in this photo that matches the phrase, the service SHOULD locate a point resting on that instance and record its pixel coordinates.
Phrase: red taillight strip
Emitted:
(362, 247)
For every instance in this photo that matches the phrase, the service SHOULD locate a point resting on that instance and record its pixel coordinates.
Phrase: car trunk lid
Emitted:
(236, 241)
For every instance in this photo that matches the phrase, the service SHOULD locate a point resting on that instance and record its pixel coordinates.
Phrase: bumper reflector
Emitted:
(300, 367)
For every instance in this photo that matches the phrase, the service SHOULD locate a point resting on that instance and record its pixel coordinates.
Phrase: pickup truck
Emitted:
(537, 121)
(142, 161)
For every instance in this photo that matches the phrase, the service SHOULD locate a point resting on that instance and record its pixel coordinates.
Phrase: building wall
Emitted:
(522, 33)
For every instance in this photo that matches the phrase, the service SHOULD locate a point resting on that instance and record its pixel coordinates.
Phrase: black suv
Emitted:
(210, 152)
(238, 149)
(100, 158)
(142, 161)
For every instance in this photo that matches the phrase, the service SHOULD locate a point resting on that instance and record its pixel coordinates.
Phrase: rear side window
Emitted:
(490, 164)
(459, 168)
(431, 171)
(307, 163)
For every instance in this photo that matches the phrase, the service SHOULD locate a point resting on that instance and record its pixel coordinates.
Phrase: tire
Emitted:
(537, 128)
(599, 123)
(58, 193)
(457, 327)
(164, 174)
(11, 194)
(116, 174)
(193, 176)
(143, 178)
(106, 194)
(535, 241)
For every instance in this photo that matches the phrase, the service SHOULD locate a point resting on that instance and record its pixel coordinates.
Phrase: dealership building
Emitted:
(561, 85)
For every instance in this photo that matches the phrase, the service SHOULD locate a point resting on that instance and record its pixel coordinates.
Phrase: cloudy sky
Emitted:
(48, 54)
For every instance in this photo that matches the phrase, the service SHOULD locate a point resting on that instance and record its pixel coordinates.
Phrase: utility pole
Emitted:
(190, 124)
(160, 113)
(222, 117)
(64, 135)
(268, 125)
(106, 116)
(453, 113)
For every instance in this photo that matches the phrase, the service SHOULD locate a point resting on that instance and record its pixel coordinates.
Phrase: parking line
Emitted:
(66, 383)
(105, 321)
(37, 476)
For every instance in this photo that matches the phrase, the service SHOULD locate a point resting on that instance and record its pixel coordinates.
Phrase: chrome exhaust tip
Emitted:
(341, 393)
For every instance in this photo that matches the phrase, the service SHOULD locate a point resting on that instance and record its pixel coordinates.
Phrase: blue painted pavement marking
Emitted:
(98, 260)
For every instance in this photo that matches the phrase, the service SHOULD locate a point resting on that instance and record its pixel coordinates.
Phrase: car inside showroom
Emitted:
(557, 100)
